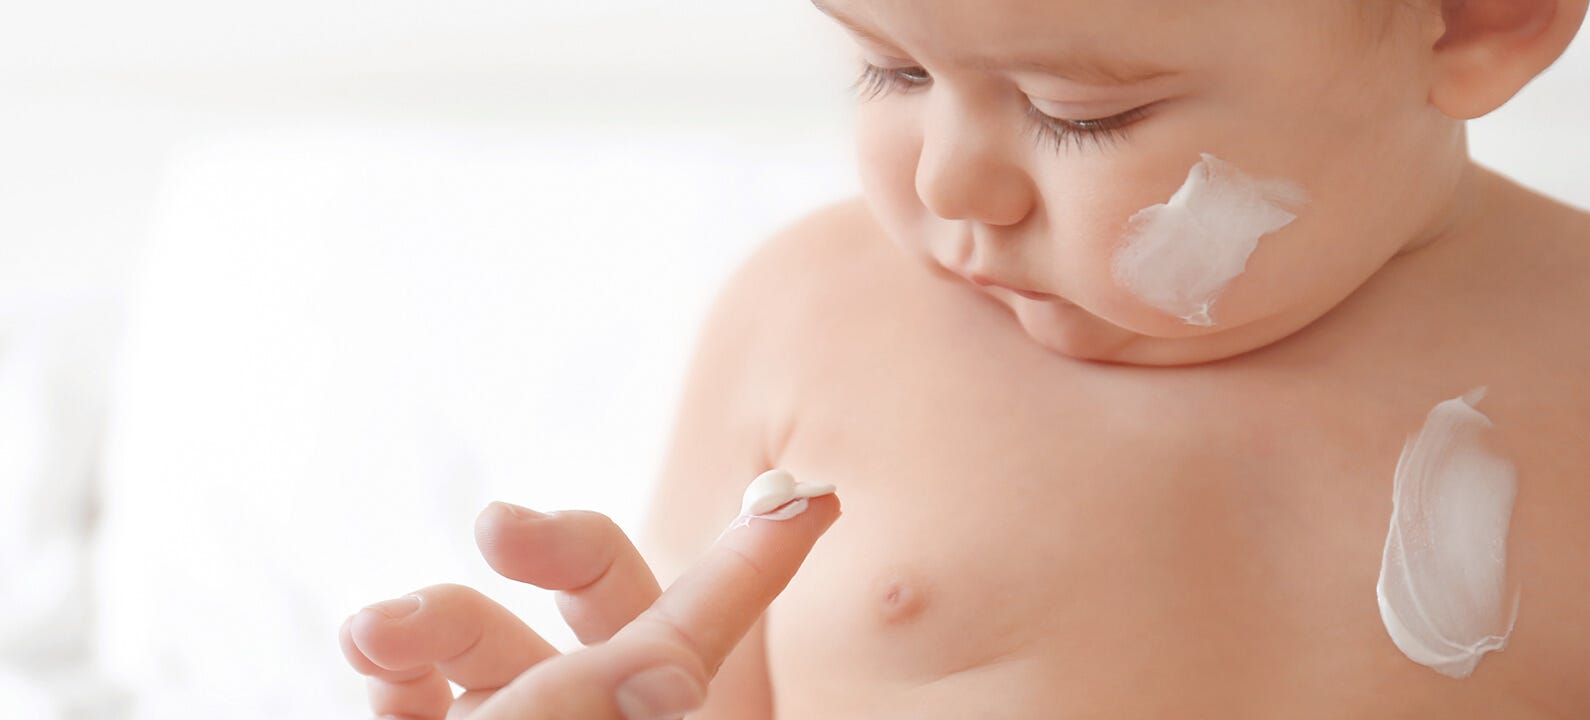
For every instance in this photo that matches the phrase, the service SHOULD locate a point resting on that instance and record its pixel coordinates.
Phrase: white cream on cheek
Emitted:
(776, 495)
(1442, 575)
(1179, 255)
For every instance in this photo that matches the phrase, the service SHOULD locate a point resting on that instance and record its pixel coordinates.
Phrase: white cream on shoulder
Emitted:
(1180, 255)
(1442, 589)
(776, 495)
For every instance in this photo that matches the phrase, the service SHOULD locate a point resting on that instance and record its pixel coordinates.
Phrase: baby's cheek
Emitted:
(1180, 257)
(1088, 244)
(886, 152)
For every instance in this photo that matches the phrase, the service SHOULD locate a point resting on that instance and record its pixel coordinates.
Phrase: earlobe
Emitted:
(1491, 49)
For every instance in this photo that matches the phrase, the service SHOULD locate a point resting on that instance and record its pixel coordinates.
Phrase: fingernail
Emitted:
(659, 693)
(523, 513)
(397, 608)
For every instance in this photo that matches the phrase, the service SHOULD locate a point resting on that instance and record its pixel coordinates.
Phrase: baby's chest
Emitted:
(1141, 547)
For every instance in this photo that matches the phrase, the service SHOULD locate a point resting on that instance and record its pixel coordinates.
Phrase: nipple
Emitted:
(897, 599)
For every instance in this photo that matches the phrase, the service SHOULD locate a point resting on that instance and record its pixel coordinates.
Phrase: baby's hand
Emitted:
(649, 654)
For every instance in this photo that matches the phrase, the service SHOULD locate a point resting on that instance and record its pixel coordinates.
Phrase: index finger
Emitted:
(717, 601)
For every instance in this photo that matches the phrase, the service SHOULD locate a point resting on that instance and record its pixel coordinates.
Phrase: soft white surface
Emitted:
(1442, 588)
(319, 39)
(349, 339)
(54, 355)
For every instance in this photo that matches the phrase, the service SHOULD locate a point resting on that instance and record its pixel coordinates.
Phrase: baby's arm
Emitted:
(731, 416)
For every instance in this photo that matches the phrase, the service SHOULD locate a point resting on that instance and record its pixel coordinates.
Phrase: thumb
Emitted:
(642, 680)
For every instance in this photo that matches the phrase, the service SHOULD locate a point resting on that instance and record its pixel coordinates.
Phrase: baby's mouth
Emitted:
(1029, 294)
(1041, 297)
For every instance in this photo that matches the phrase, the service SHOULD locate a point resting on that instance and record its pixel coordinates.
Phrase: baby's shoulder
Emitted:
(1513, 288)
(825, 270)
(1545, 241)
(834, 249)
(1538, 270)
(737, 402)
(797, 297)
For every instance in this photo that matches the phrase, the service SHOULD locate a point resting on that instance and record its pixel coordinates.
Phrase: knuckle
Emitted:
(754, 566)
(658, 629)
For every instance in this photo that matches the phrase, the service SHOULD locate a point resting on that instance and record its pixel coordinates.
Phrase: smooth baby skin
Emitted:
(1066, 502)
(1032, 536)
(1063, 502)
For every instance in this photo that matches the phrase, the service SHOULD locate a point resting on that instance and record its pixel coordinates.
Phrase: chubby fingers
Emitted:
(411, 646)
(602, 582)
(659, 665)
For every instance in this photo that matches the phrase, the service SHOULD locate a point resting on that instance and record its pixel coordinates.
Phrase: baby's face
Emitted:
(1012, 142)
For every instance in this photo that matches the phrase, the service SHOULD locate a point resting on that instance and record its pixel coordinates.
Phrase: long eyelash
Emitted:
(875, 81)
(1102, 132)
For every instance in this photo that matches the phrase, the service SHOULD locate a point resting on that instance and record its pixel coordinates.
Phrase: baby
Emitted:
(1177, 362)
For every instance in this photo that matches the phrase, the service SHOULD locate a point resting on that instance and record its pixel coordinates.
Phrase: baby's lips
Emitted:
(776, 488)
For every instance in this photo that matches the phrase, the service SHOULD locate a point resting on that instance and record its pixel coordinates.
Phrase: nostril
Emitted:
(982, 280)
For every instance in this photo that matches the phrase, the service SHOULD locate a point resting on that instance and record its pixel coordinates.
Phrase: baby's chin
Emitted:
(1069, 330)
(1074, 332)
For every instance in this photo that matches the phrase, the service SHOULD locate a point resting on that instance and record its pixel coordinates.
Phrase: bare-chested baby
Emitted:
(1177, 361)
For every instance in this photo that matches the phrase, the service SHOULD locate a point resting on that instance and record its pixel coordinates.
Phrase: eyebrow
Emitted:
(1078, 67)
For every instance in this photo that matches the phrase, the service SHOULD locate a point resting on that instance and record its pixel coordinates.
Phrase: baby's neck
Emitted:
(1467, 274)
(1467, 204)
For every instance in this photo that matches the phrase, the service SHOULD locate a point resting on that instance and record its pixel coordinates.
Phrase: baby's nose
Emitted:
(968, 168)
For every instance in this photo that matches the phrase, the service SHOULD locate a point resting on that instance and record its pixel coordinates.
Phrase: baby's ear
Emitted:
(1490, 49)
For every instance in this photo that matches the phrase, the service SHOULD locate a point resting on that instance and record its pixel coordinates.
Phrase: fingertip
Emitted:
(364, 631)
(383, 645)
(491, 518)
(500, 511)
(819, 515)
(351, 651)
(357, 638)
(566, 550)
(719, 599)
(827, 507)
(504, 526)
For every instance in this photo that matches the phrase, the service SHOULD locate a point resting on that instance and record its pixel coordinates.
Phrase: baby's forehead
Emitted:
(1061, 37)
(1096, 20)
(1007, 34)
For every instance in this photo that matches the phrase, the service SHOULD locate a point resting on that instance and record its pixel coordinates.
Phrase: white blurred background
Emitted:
(289, 291)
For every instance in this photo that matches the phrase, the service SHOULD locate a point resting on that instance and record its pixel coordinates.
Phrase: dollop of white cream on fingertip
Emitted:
(1442, 581)
(1180, 255)
(776, 488)
(776, 495)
